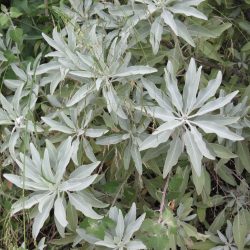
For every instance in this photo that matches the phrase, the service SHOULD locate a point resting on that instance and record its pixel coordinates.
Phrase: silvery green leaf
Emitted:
(173, 155)
(80, 204)
(52, 43)
(119, 229)
(12, 143)
(57, 126)
(112, 139)
(12, 84)
(80, 94)
(219, 130)
(133, 227)
(47, 67)
(59, 227)
(82, 235)
(64, 155)
(135, 245)
(88, 150)
(67, 121)
(19, 72)
(157, 112)
(41, 217)
(77, 184)
(172, 87)
(59, 212)
(169, 20)
(168, 126)
(15, 179)
(156, 94)
(113, 102)
(90, 199)
(152, 141)
(95, 132)
(84, 170)
(135, 70)
(7, 106)
(193, 151)
(105, 243)
(209, 91)
(131, 215)
(35, 156)
(191, 86)
(17, 97)
(46, 167)
(216, 104)
(27, 202)
(184, 32)
(202, 145)
(127, 156)
(136, 156)
(82, 74)
(218, 119)
(155, 34)
(187, 10)
(86, 60)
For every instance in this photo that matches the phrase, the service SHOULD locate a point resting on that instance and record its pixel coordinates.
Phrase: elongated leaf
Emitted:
(80, 94)
(136, 70)
(156, 94)
(114, 102)
(193, 151)
(173, 155)
(168, 126)
(209, 91)
(152, 141)
(155, 34)
(57, 126)
(216, 104)
(172, 87)
(221, 131)
(80, 204)
(240, 229)
(82, 74)
(192, 79)
(112, 139)
(95, 132)
(88, 150)
(157, 112)
(136, 158)
(84, 170)
(187, 10)
(201, 143)
(120, 225)
(184, 32)
(59, 212)
(169, 20)
(42, 216)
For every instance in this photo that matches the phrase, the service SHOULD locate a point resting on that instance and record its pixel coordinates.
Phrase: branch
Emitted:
(163, 198)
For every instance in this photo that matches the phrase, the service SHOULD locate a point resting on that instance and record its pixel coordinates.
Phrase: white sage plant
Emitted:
(45, 177)
(182, 114)
(120, 236)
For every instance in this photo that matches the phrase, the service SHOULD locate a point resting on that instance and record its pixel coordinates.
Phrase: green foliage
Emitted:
(111, 137)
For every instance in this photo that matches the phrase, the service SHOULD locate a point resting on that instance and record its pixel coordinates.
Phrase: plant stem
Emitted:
(163, 198)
